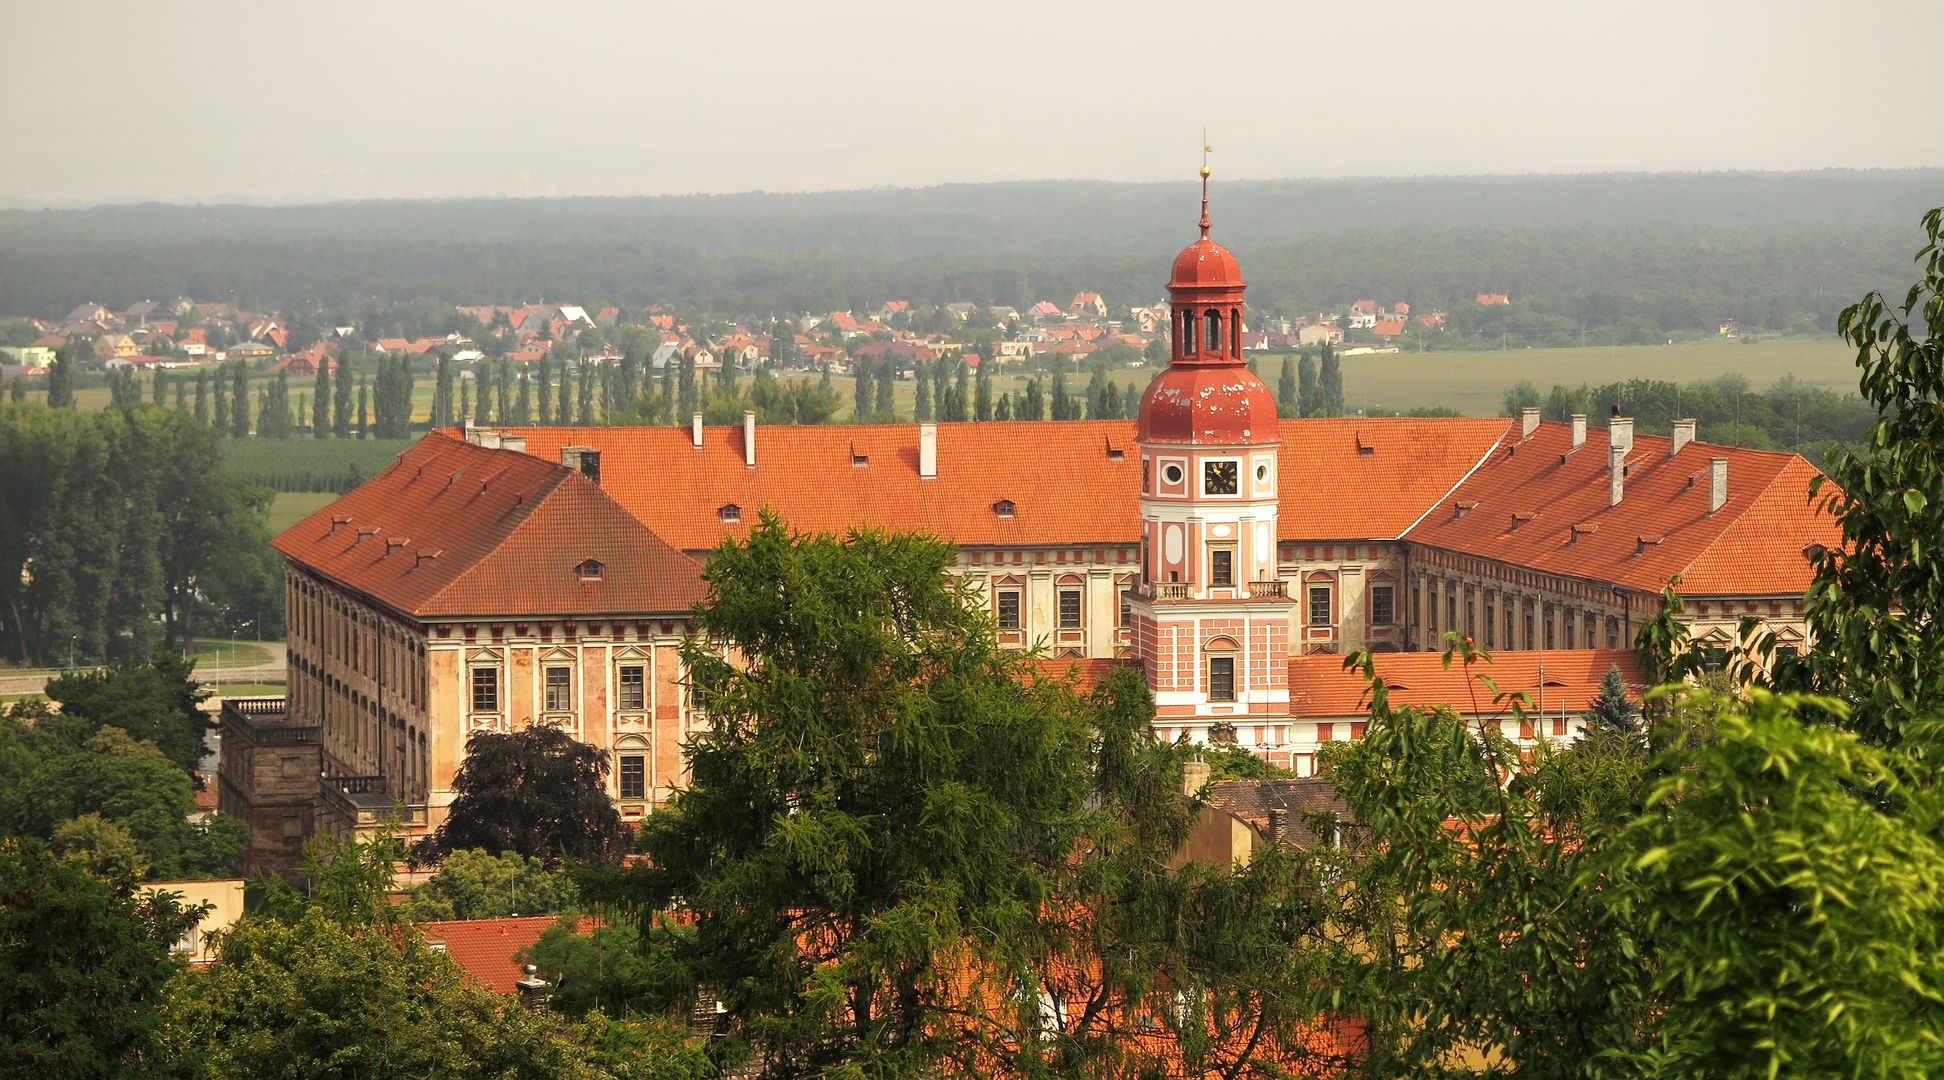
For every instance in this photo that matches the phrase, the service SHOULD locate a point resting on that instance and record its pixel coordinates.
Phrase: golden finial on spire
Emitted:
(1206, 150)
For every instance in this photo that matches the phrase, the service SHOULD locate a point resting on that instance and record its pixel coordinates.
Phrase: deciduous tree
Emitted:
(539, 793)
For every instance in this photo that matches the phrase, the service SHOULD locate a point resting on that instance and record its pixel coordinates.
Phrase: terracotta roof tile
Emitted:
(486, 948)
(1320, 688)
(1342, 479)
(1534, 504)
(1252, 801)
(450, 528)
(1087, 674)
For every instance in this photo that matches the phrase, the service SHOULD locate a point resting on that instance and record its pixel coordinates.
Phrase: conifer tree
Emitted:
(60, 377)
(465, 400)
(546, 388)
(585, 414)
(922, 408)
(202, 396)
(1612, 711)
(1097, 394)
(1308, 402)
(1033, 407)
(523, 403)
(364, 403)
(1288, 403)
(222, 424)
(1005, 409)
(180, 384)
(961, 390)
(982, 394)
(686, 399)
(442, 415)
(159, 387)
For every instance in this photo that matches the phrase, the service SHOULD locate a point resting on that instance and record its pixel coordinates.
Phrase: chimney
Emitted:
(513, 442)
(1579, 430)
(489, 439)
(1528, 421)
(1620, 434)
(749, 439)
(695, 430)
(1616, 475)
(1278, 825)
(928, 451)
(1683, 435)
(1194, 777)
(1717, 483)
(533, 989)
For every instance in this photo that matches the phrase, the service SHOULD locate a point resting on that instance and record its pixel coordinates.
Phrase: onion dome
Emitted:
(1208, 404)
(1205, 264)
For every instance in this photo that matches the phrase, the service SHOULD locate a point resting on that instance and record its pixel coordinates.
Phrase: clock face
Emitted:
(1218, 478)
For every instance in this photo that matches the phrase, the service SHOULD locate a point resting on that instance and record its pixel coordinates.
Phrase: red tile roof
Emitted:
(486, 948)
(452, 529)
(1320, 688)
(1342, 479)
(1085, 673)
(1530, 507)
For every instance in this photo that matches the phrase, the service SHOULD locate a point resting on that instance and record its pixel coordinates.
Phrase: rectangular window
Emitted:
(1570, 637)
(1529, 639)
(1613, 632)
(1009, 610)
(1221, 678)
(1382, 605)
(1549, 628)
(1451, 609)
(634, 776)
(1319, 606)
(560, 694)
(1491, 627)
(1127, 607)
(1221, 566)
(485, 689)
(1069, 609)
(634, 688)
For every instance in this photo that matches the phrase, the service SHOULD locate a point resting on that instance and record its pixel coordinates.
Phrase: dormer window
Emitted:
(1004, 508)
(590, 570)
(729, 513)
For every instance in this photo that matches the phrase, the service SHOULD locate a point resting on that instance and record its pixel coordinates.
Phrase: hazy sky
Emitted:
(267, 100)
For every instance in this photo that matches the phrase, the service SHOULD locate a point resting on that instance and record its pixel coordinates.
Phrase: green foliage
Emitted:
(1876, 609)
(478, 885)
(1786, 416)
(1235, 763)
(603, 970)
(109, 519)
(319, 997)
(1612, 710)
(539, 792)
(156, 701)
(341, 878)
(87, 963)
(107, 799)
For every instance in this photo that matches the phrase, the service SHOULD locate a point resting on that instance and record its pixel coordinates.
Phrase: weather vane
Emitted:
(1206, 150)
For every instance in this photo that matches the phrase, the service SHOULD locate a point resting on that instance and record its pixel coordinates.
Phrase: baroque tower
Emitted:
(1210, 617)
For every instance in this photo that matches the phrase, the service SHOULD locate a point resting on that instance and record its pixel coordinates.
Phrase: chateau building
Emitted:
(491, 579)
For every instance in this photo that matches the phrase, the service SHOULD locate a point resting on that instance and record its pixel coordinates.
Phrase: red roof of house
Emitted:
(1388, 327)
(1533, 504)
(1342, 479)
(450, 529)
(1320, 688)
(1086, 673)
(486, 948)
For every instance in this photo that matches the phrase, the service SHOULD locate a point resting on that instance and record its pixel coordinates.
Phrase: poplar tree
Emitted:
(341, 404)
(546, 388)
(523, 403)
(1308, 402)
(202, 396)
(961, 389)
(60, 378)
(1062, 401)
(158, 387)
(886, 404)
(1330, 381)
(1005, 410)
(180, 384)
(685, 395)
(1034, 405)
(240, 401)
(465, 400)
(982, 393)
(321, 402)
(861, 384)
(921, 409)
(586, 414)
(364, 401)
(1288, 403)
(442, 393)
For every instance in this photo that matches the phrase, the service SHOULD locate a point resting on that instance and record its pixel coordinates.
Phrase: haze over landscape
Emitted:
(359, 100)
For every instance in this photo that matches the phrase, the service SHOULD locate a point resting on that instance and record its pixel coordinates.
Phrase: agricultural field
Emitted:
(290, 507)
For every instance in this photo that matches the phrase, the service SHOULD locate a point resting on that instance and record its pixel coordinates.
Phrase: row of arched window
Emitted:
(1211, 330)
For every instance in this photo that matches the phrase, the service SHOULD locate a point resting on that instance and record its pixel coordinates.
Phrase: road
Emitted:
(13, 683)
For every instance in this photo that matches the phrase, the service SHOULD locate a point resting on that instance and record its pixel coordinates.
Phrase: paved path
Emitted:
(33, 681)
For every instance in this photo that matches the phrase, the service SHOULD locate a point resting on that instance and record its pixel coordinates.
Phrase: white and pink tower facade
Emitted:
(1211, 618)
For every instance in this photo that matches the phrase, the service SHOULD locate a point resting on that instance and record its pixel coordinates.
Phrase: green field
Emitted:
(228, 654)
(291, 507)
(1474, 383)
(249, 689)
